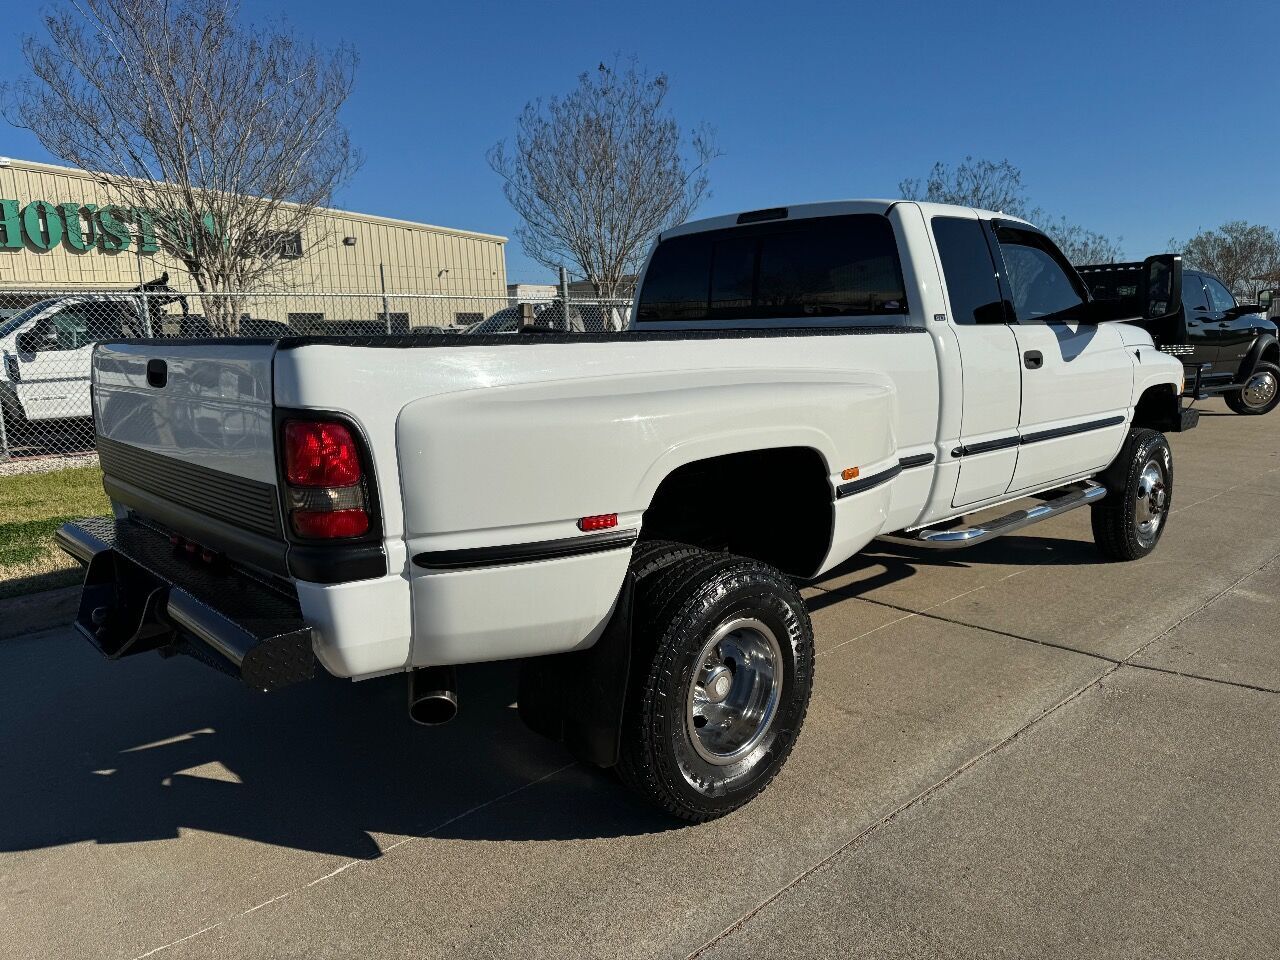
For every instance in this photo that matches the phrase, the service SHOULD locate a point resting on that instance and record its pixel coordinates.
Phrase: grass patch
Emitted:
(32, 507)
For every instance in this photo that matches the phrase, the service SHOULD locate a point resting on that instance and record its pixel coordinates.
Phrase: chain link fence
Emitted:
(47, 338)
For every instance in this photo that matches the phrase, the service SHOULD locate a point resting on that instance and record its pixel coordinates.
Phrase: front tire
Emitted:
(1129, 522)
(720, 686)
(1261, 394)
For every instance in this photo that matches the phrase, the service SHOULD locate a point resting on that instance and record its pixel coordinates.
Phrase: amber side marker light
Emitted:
(601, 521)
(849, 473)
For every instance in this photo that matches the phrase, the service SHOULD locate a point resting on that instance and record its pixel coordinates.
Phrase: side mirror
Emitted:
(1265, 298)
(1161, 286)
(1244, 309)
(33, 340)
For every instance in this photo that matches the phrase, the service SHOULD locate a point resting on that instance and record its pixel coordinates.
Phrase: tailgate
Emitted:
(185, 438)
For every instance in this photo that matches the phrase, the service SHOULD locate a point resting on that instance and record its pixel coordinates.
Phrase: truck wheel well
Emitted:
(1271, 354)
(1159, 408)
(771, 505)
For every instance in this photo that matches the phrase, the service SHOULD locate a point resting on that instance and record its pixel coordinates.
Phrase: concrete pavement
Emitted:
(1012, 751)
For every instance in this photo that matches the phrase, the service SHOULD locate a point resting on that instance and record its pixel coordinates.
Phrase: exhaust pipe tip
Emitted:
(434, 708)
(433, 696)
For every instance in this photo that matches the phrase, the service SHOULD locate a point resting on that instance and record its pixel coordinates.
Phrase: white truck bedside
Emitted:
(627, 512)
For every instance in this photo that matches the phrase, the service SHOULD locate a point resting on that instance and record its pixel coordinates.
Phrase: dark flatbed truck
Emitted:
(1228, 349)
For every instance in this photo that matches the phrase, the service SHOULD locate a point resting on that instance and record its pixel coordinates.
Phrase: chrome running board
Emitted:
(1076, 495)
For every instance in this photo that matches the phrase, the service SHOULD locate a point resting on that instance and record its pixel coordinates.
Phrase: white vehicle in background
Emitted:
(46, 354)
(628, 512)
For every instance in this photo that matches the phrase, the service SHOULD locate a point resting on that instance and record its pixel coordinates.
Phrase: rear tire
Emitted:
(720, 685)
(1129, 522)
(1260, 395)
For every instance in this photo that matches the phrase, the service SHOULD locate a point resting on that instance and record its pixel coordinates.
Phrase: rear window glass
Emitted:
(811, 268)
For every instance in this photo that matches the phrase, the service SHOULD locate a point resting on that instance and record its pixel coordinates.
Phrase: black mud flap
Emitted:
(578, 698)
(140, 594)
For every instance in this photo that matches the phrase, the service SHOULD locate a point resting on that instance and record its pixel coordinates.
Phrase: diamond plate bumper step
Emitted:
(141, 594)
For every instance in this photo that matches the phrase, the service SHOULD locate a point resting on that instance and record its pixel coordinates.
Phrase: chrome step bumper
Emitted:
(1077, 495)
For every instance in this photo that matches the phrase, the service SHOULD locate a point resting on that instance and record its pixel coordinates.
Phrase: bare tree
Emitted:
(985, 184)
(992, 185)
(596, 174)
(1242, 255)
(220, 140)
(1079, 245)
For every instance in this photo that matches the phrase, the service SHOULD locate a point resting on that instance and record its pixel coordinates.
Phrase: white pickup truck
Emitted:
(46, 350)
(628, 512)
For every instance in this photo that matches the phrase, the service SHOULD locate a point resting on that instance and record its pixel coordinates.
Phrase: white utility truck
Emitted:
(627, 512)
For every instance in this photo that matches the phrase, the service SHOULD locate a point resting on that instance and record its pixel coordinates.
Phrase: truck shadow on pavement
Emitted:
(145, 748)
(883, 565)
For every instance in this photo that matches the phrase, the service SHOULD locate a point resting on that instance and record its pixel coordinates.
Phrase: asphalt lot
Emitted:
(1015, 751)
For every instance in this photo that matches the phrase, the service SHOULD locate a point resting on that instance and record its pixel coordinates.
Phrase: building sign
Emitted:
(42, 225)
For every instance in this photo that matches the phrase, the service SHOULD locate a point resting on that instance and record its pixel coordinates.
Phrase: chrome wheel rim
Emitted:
(1153, 501)
(733, 696)
(1260, 390)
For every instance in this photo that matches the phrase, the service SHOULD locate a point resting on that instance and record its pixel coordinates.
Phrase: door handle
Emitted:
(1224, 323)
(1033, 359)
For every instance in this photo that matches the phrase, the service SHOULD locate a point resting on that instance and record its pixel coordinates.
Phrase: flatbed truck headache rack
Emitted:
(628, 513)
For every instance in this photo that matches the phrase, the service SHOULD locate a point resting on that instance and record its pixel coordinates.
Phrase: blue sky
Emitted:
(1135, 119)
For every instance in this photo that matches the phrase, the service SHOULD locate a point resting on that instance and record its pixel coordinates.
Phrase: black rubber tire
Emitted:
(17, 428)
(677, 608)
(1236, 402)
(650, 556)
(1114, 528)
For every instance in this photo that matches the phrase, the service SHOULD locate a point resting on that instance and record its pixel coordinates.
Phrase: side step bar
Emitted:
(1075, 496)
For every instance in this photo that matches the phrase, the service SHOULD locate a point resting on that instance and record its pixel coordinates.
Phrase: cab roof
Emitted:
(829, 208)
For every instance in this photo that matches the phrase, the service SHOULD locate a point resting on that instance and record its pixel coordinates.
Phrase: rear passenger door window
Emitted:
(972, 284)
(1219, 296)
(1193, 295)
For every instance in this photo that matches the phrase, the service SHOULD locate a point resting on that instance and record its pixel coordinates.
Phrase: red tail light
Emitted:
(328, 526)
(325, 494)
(320, 454)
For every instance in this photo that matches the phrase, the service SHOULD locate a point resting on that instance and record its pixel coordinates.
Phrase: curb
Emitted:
(38, 611)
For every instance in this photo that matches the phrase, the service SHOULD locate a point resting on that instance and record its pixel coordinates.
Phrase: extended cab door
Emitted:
(1077, 377)
(992, 381)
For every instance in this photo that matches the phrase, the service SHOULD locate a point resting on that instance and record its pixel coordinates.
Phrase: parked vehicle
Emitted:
(46, 352)
(506, 320)
(550, 315)
(628, 512)
(1229, 349)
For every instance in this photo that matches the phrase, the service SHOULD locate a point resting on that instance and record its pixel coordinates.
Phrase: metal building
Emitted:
(59, 230)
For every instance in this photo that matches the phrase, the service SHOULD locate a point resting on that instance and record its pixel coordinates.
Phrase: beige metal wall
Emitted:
(417, 258)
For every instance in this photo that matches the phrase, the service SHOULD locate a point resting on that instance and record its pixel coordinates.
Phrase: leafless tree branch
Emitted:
(991, 185)
(1242, 255)
(216, 136)
(597, 174)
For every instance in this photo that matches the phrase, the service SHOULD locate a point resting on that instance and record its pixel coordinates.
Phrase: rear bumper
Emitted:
(141, 594)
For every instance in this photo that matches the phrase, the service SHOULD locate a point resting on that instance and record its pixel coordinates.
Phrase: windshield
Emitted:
(18, 319)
